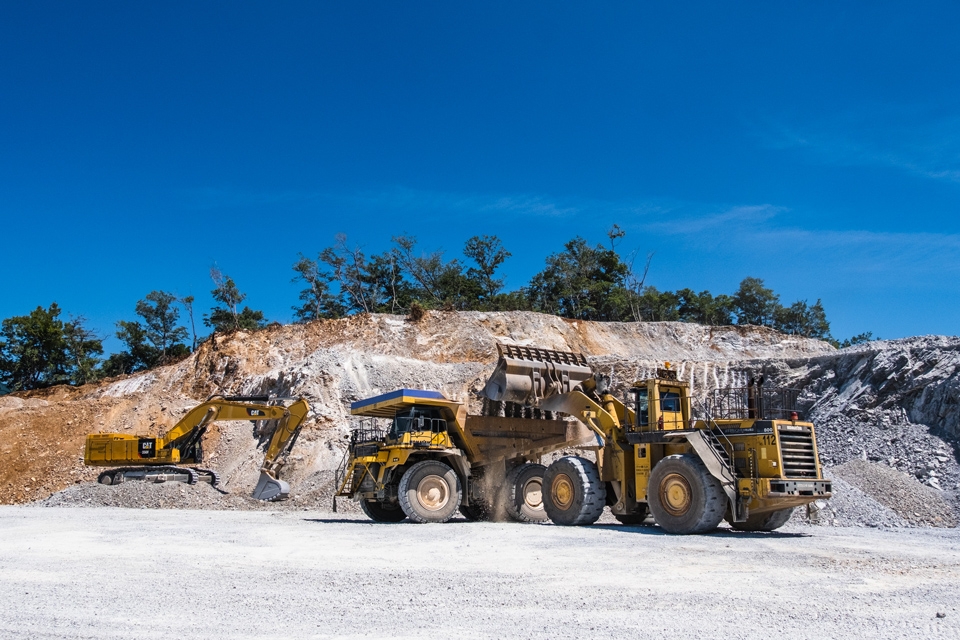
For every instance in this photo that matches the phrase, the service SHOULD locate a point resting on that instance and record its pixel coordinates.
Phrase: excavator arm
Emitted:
(270, 486)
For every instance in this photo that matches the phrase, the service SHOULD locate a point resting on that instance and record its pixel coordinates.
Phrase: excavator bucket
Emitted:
(527, 375)
(270, 488)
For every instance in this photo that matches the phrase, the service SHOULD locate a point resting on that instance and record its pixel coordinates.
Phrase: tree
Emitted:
(139, 354)
(229, 316)
(488, 254)
(860, 338)
(161, 317)
(40, 350)
(187, 303)
(437, 283)
(317, 301)
(656, 306)
(803, 320)
(755, 304)
(349, 271)
(582, 282)
(704, 308)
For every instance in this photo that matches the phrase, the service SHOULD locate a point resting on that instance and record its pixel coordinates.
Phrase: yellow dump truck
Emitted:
(173, 456)
(746, 456)
(416, 454)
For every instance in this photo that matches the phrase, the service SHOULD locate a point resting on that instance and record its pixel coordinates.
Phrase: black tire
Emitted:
(105, 478)
(768, 521)
(572, 492)
(633, 519)
(523, 493)
(430, 492)
(379, 512)
(683, 497)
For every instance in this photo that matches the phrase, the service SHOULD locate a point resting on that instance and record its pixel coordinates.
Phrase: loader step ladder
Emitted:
(713, 447)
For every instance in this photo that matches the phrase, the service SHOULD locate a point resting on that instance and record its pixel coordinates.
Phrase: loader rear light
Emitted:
(794, 416)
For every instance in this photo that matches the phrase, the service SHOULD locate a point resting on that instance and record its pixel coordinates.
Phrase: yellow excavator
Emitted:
(166, 457)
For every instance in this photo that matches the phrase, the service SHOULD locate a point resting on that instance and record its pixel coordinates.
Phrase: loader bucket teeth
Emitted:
(270, 488)
(527, 375)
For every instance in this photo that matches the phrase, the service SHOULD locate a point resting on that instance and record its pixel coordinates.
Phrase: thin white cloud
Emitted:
(886, 137)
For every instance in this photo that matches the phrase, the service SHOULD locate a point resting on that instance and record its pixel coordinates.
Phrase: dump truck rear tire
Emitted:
(572, 492)
(523, 493)
(379, 512)
(764, 521)
(430, 492)
(683, 497)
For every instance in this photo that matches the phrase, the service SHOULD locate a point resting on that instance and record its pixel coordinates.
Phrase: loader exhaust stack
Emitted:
(528, 375)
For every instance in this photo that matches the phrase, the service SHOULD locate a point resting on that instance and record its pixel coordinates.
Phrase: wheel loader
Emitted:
(417, 454)
(747, 457)
(165, 457)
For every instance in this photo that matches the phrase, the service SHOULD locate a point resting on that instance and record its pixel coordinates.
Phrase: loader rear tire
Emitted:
(430, 492)
(379, 512)
(523, 493)
(764, 521)
(683, 497)
(572, 492)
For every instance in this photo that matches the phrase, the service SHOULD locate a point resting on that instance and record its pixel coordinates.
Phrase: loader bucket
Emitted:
(270, 488)
(527, 375)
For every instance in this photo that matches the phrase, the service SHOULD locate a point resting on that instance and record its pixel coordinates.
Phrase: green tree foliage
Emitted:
(161, 318)
(488, 254)
(316, 300)
(229, 316)
(155, 341)
(809, 321)
(755, 304)
(582, 282)
(860, 338)
(40, 349)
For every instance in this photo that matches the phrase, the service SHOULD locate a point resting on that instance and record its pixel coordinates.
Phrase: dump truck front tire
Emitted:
(382, 513)
(523, 493)
(572, 492)
(764, 521)
(430, 492)
(683, 497)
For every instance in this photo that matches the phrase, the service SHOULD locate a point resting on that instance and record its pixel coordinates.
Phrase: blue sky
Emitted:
(814, 145)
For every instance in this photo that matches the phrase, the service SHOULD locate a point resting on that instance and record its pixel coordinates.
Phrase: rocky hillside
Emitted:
(891, 403)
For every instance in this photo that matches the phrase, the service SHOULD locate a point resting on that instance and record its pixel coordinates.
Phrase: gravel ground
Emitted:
(121, 573)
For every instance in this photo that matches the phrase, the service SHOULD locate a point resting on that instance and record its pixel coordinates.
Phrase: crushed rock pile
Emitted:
(887, 403)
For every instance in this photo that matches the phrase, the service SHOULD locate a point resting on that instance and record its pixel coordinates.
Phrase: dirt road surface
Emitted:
(176, 575)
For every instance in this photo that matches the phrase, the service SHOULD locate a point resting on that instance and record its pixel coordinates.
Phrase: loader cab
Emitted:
(661, 403)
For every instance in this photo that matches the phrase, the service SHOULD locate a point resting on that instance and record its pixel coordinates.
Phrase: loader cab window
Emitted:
(642, 407)
(669, 401)
(417, 419)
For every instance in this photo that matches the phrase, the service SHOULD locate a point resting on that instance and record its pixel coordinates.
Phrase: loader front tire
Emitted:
(764, 521)
(572, 492)
(683, 497)
(379, 512)
(523, 493)
(430, 492)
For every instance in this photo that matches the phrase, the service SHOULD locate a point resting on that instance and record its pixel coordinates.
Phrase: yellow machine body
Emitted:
(183, 444)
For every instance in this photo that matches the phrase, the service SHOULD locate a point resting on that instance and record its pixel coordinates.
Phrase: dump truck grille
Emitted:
(797, 452)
